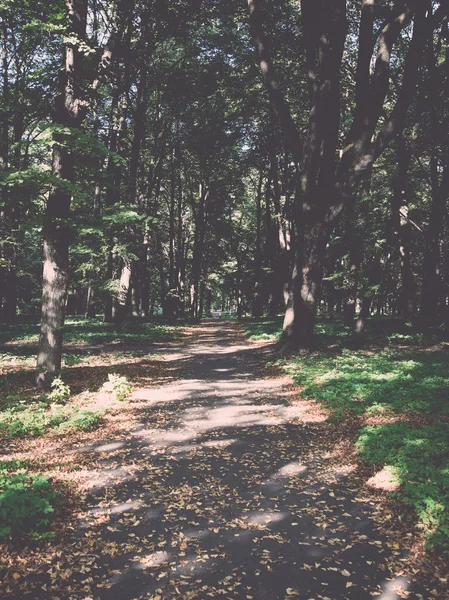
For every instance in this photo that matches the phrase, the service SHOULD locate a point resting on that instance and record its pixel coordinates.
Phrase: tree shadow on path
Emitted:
(228, 489)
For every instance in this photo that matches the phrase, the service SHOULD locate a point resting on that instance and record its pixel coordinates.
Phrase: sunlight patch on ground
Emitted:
(385, 480)
(106, 478)
(153, 559)
(394, 589)
(268, 517)
(109, 447)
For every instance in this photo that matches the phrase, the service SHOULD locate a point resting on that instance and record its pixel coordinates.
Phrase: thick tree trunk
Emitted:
(303, 297)
(56, 234)
(321, 205)
(363, 315)
(432, 285)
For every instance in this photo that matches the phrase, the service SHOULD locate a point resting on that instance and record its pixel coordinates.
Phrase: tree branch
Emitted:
(278, 102)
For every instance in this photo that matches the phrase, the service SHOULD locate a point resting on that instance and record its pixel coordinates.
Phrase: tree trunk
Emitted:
(180, 263)
(432, 285)
(131, 198)
(363, 315)
(320, 202)
(197, 258)
(303, 297)
(90, 306)
(123, 298)
(368, 295)
(257, 308)
(56, 233)
(402, 232)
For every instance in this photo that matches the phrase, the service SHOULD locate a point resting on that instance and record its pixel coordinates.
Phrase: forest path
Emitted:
(228, 487)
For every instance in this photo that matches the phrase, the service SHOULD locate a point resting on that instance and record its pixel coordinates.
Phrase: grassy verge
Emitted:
(78, 330)
(400, 397)
(20, 417)
(93, 385)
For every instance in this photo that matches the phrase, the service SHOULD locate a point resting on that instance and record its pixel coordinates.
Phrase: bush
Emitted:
(82, 420)
(118, 385)
(36, 418)
(60, 391)
(26, 502)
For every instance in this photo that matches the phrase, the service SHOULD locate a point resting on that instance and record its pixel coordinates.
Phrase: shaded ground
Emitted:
(223, 484)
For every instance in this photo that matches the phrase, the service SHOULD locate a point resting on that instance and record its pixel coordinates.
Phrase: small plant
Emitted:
(118, 385)
(60, 391)
(82, 420)
(72, 359)
(26, 502)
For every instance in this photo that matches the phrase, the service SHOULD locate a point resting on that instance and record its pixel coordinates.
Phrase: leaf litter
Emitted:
(214, 491)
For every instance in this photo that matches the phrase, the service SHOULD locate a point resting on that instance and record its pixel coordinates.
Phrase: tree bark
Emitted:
(257, 308)
(56, 233)
(197, 258)
(402, 232)
(432, 285)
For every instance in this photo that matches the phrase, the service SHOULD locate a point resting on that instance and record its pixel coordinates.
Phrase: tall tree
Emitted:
(68, 112)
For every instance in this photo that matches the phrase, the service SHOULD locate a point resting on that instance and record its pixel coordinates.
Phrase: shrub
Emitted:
(118, 385)
(26, 503)
(60, 391)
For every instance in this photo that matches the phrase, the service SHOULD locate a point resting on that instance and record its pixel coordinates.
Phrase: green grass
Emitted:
(92, 331)
(20, 416)
(268, 329)
(420, 459)
(388, 381)
(372, 381)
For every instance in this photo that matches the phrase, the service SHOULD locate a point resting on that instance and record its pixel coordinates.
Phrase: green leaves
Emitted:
(420, 456)
(26, 502)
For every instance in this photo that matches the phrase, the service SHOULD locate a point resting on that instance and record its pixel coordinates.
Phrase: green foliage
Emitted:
(265, 329)
(60, 391)
(118, 385)
(82, 420)
(72, 359)
(358, 381)
(19, 417)
(420, 457)
(27, 502)
(92, 331)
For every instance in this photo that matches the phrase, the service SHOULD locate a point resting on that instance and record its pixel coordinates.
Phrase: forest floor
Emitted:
(215, 477)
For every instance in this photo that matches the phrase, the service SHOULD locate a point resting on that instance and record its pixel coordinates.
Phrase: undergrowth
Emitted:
(20, 416)
(27, 502)
(79, 330)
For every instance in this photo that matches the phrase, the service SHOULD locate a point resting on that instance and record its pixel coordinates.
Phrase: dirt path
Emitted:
(226, 488)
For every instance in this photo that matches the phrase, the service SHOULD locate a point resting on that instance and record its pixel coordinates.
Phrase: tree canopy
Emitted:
(183, 157)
